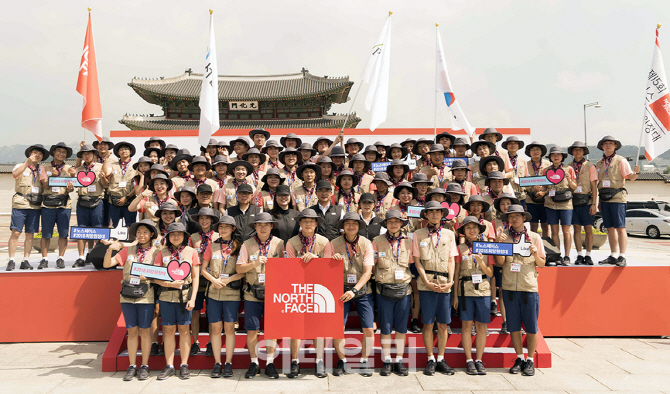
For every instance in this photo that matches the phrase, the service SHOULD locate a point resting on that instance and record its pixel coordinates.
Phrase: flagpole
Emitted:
(639, 145)
(437, 25)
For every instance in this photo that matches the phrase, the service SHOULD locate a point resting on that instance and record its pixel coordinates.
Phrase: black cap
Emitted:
(205, 188)
(367, 197)
(324, 184)
(282, 190)
(245, 188)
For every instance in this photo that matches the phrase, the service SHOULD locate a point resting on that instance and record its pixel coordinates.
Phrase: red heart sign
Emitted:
(86, 178)
(555, 176)
(454, 209)
(178, 271)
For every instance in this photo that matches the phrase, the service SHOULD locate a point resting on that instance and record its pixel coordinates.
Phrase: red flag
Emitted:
(87, 86)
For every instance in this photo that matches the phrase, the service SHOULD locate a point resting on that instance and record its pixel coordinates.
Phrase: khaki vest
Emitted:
(320, 243)
(386, 264)
(99, 189)
(149, 260)
(24, 184)
(492, 213)
(292, 184)
(413, 224)
(173, 295)
(518, 173)
(365, 183)
(526, 280)
(217, 267)
(584, 178)
(617, 181)
(151, 206)
(62, 190)
(386, 204)
(231, 192)
(531, 172)
(434, 257)
(564, 184)
(210, 182)
(276, 249)
(476, 173)
(195, 241)
(438, 180)
(301, 201)
(117, 176)
(264, 201)
(355, 265)
(353, 206)
(177, 181)
(468, 267)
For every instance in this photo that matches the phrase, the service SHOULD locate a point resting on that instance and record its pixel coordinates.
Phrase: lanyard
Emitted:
(346, 245)
(226, 251)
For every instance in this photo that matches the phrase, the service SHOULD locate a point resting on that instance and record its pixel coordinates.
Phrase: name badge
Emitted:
(157, 242)
(475, 175)
(399, 274)
(129, 258)
(134, 280)
(230, 197)
(351, 278)
(552, 193)
(92, 189)
(26, 172)
(477, 278)
(123, 184)
(515, 267)
(606, 183)
(55, 190)
(253, 258)
(261, 278)
(382, 254)
(423, 244)
(114, 172)
(35, 189)
(298, 201)
(578, 189)
(341, 203)
(166, 260)
(270, 203)
(224, 276)
(216, 257)
(285, 254)
(48, 173)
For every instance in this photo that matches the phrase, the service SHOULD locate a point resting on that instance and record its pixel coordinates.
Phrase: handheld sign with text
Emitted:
(550, 178)
(522, 248)
(302, 300)
(382, 165)
(97, 233)
(63, 181)
(449, 161)
(454, 210)
(174, 271)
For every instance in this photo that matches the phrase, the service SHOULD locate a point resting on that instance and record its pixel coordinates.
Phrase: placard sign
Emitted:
(97, 233)
(449, 161)
(63, 181)
(414, 212)
(454, 210)
(552, 177)
(174, 271)
(382, 165)
(522, 248)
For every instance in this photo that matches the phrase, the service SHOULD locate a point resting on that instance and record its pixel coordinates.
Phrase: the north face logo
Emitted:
(307, 298)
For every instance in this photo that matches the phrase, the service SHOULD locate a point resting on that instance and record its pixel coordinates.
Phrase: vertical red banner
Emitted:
(302, 300)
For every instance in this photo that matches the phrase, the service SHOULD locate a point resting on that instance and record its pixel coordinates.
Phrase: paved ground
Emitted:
(581, 365)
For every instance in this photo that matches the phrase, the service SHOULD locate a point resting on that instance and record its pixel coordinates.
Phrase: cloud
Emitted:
(573, 82)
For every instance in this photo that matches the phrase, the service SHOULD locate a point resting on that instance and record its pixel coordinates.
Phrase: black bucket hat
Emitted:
(275, 172)
(39, 147)
(382, 177)
(61, 145)
(394, 214)
(556, 149)
(272, 144)
(511, 197)
(489, 131)
(405, 185)
(484, 161)
(534, 144)
(460, 164)
(185, 189)
(337, 151)
(475, 145)
(146, 223)
(513, 138)
(207, 211)
(168, 206)
(496, 175)
(307, 146)
(226, 219)
(415, 148)
(477, 198)
(154, 139)
(344, 173)
(516, 209)
(237, 163)
(304, 166)
(106, 140)
(309, 213)
(199, 160)
(445, 134)
(394, 163)
(578, 144)
(372, 148)
(360, 157)
(182, 154)
(147, 151)
(351, 216)
(253, 132)
(395, 145)
(468, 220)
(287, 151)
(434, 205)
(420, 177)
(438, 190)
(354, 141)
(609, 138)
(143, 159)
(290, 136)
(159, 168)
(461, 141)
(83, 149)
(157, 177)
(254, 151)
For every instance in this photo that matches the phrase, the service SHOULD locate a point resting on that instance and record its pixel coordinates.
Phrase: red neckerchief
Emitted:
(205, 239)
(339, 169)
(175, 254)
(577, 165)
(516, 235)
(493, 195)
(227, 250)
(393, 240)
(496, 153)
(57, 168)
(199, 182)
(124, 167)
(607, 160)
(307, 242)
(425, 161)
(469, 244)
(263, 247)
(440, 174)
(255, 177)
(396, 182)
(87, 167)
(308, 193)
(421, 201)
(141, 253)
(403, 207)
(347, 197)
(290, 176)
(513, 161)
(536, 168)
(353, 245)
(160, 202)
(274, 164)
(99, 159)
(163, 228)
(185, 177)
(237, 184)
(462, 183)
(380, 198)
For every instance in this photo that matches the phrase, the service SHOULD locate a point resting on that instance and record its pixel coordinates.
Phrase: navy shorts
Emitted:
(90, 217)
(30, 218)
(435, 305)
(116, 213)
(253, 311)
(562, 215)
(538, 213)
(199, 299)
(522, 309)
(105, 211)
(55, 217)
(137, 315)
(581, 217)
(393, 314)
(614, 214)
(476, 308)
(365, 309)
(171, 314)
(216, 310)
(497, 273)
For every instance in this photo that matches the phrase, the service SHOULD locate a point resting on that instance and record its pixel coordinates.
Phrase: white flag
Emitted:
(443, 88)
(209, 92)
(656, 108)
(376, 75)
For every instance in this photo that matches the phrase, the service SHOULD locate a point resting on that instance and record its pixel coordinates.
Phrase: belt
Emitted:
(181, 294)
(525, 296)
(467, 279)
(436, 273)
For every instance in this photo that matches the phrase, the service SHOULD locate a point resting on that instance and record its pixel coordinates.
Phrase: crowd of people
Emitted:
(228, 209)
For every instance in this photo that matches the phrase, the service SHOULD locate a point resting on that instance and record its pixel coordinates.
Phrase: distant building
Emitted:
(300, 100)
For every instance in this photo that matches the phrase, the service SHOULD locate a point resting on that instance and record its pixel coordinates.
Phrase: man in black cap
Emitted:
(584, 200)
(331, 214)
(244, 213)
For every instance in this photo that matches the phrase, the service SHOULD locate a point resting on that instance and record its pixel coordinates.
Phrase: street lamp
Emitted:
(588, 105)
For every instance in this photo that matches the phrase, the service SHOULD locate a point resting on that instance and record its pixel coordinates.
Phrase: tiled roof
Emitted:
(268, 87)
(160, 123)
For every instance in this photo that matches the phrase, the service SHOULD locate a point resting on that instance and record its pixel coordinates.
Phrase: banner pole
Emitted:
(435, 86)
(351, 107)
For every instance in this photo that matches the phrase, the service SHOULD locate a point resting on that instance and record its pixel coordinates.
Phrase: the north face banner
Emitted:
(302, 300)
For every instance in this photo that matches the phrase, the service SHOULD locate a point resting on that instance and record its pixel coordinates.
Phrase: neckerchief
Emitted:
(163, 228)
(607, 160)
(516, 235)
(577, 165)
(440, 173)
(185, 177)
(220, 182)
(274, 164)
(469, 244)
(35, 172)
(87, 167)
(493, 194)
(227, 250)
(141, 253)
(290, 176)
(237, 184)
(182, 208)
(396, 182)
(435, 230)
(175, 254)
(255, 177)
(57, 168)
(308, 193)
(124, 167)
(307, 242)
(496, 153)
(380, 198)
(513, 160)
(205, 239)
(199, 182)
(425, 161)
(348, 198)
(160, 202)
(99, 159)
(421, 201)
(339, 169)
(263, 247)
(536, 168)
(462, 183)
(353, 246)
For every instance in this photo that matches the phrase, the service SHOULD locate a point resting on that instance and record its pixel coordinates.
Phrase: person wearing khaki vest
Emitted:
(137, 312)
(534, 199)
(289, 158)
(558, 210)
(256, 159)
(493, 136)
(120, 176)
(223, 302)
(265, 196)
(304, 195)
(393, 253)
(613, 170)
(473, 293)
(384, 199)
(501, 205)
(482, 149)
(56, 204)
(357, 254)
(515, 167)
(90, 209)
(405, 196)
(177, 298)
(26, 203)
(584, 202)
(150, 200)
(519, 283)
(346, 196)
(433, 249)
(438, 172)
(254, 254)
(459, 170)
(496, 183)
(360, 166)
(200, 168)
(308, 245)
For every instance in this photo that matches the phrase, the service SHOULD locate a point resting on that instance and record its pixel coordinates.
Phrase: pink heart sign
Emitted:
(86, 178)
(555, 176)
(454, 209)
(178, 271)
